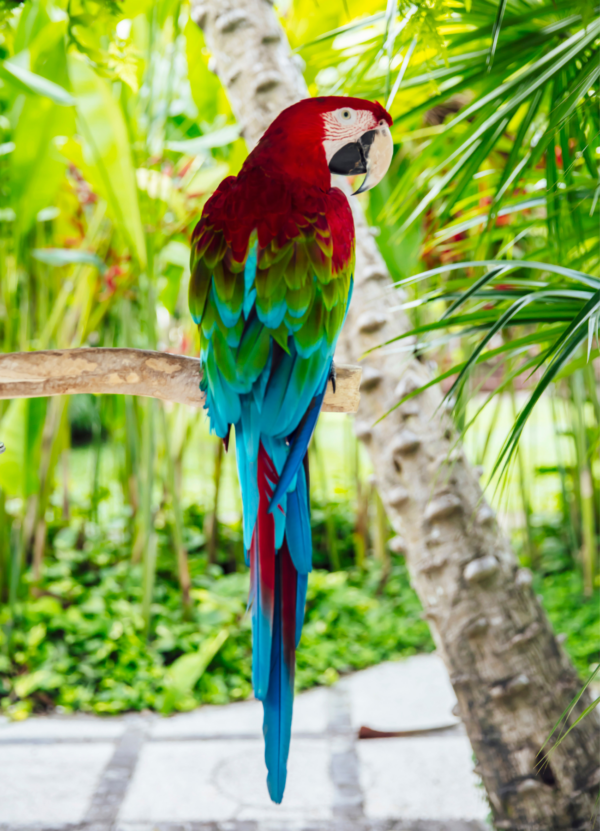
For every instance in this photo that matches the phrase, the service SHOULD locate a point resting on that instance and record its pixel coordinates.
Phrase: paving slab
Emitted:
(49, 784)
(62, 729)
(224, 780)
(295, 825)
(174, 781)
(308, 795)
(205, 771)
(402, 695)
(245, 825)
(244, 718)
(420, 778)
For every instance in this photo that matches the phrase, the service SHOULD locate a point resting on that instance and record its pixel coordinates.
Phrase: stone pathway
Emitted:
(204, 771)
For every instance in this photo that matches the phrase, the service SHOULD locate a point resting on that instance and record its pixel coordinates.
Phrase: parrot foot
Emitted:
(333, 376)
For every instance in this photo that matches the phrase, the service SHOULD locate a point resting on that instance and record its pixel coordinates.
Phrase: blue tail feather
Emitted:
(299, 445)
(300, 604)
(298, 525)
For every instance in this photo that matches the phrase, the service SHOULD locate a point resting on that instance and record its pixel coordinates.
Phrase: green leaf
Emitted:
(496, 32)
(572, 273)
(41, 679)
(206, 88)
(107, 148)
(478, 284)
(21, 432)
(36, 168)
(193, 147)
(186, 671)
(38, 84)
(67, 256)
(349, 27)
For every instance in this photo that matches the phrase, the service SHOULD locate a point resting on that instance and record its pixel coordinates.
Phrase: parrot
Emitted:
(271, 277)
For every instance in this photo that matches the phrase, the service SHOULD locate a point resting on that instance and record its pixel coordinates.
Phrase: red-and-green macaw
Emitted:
(271, 280)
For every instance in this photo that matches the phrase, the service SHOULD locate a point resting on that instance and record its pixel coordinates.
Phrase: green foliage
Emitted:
(493, 197)
(559, 583)
(21, 429)
(78, 643)
(350, 626)
(107, 153)
(99, 192)
(579, 621)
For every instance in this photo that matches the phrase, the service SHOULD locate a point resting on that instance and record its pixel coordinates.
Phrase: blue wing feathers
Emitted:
(301, 589)
(299, 445)
(298, 525)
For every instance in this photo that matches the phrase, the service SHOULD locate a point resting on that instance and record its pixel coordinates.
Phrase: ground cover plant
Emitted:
(81, 643)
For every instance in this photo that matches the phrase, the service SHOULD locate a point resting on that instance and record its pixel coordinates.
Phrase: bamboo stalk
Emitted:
(213, 519)
(332, 549)
(147, 533)
(183, 569)
(132, 372)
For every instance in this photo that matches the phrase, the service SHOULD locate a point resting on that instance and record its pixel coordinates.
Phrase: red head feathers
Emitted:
(303, 140)
(288, 174)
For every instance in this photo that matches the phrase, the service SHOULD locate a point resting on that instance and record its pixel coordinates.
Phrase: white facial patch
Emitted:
(343, 126)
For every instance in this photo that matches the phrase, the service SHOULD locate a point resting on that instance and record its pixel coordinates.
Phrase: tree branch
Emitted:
(132, 372)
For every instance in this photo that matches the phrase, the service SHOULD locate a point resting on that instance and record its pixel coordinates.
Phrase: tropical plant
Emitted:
(97, 114)
(496, 194)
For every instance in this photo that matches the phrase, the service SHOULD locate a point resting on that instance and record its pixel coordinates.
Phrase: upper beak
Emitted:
(371, 154)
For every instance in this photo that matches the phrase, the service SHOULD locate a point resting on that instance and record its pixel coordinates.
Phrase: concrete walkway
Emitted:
(204, 771)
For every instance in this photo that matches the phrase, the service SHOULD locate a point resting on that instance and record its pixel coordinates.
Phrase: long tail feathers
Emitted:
(278, 594)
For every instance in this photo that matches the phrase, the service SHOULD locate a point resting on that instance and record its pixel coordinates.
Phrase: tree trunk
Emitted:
(511, 677)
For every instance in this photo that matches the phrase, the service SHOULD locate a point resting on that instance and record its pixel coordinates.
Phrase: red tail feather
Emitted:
(262, 576)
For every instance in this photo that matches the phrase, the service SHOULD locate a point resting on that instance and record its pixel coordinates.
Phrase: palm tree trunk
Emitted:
(511, 677)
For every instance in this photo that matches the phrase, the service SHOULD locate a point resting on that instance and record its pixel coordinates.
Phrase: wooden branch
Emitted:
(132, 372)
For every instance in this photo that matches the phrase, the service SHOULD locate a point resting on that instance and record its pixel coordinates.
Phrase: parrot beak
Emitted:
(370, 155)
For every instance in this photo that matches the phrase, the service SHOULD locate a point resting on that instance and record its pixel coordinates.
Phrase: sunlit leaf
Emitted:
(107, 147)
(21, 433)
(220, 138)
(66, 256)
(39, 85)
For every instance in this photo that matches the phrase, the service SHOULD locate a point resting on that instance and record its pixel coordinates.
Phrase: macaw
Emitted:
(271, 279)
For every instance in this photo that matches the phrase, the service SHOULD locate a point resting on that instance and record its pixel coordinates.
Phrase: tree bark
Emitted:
(132, 372)
(511, 677)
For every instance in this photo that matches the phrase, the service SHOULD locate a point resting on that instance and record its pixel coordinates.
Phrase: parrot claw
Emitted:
(333, 376)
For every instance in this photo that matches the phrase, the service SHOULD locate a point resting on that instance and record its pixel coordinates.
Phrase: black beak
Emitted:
(353, 159)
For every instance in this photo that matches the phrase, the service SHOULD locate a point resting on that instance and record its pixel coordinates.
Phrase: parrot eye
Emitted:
(346, 116)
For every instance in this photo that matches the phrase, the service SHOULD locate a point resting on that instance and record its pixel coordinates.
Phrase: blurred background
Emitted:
(120, 519)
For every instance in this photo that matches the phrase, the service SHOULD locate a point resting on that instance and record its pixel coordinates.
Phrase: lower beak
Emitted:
(371, 155)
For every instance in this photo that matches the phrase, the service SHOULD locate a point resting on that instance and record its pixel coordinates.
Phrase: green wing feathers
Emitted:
(287, 289)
